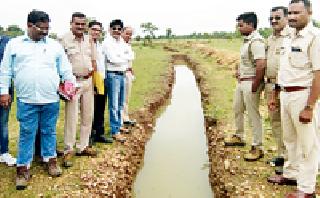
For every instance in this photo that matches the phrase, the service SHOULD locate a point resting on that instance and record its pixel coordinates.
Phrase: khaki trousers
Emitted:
(85, 96)
(244, 99)
(128, 85)
(275, 120)
(301, 141)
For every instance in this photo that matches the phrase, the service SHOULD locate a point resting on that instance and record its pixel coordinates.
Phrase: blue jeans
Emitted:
(32, 116)
(115, 86)
(4, 139)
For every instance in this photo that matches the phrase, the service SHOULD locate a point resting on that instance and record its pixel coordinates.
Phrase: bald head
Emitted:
(127, 34)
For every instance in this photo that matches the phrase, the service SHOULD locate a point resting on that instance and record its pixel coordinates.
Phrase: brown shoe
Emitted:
(281, 180)
(88, 151)
(23, 176)
(67, 159)
(300, 194)
(234, 141)
(254, 154)
(119, 138)
(53, 168)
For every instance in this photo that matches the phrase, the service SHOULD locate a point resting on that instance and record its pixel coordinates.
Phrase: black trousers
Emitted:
(98, 118)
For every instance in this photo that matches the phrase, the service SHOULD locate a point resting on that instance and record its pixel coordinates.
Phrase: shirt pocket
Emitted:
(246, 61)
(299, 60)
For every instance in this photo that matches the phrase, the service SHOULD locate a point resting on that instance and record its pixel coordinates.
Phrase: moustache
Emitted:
(274, 23)
(292, 21)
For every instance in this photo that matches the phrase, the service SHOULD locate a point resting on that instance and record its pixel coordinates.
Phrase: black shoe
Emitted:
(279, 170)
(277, 161)
(103, 139)
(130, 123)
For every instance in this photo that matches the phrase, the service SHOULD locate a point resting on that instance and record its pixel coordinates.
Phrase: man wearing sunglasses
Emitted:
(32, 61)
(279, 22)
(82, 55)
(117, 59)
(299, 88)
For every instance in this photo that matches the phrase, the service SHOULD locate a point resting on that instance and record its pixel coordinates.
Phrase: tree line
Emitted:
(149, 30)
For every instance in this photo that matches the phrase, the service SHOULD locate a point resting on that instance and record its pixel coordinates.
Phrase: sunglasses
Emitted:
(43, 29)
(277, 18)
(116, 28)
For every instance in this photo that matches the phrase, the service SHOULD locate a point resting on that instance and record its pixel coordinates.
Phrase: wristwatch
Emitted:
(308, 107)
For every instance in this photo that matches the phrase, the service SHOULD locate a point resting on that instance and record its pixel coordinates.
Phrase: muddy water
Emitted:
(176, 162)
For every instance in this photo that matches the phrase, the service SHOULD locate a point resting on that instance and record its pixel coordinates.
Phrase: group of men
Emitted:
(36, 65)
(288, 66)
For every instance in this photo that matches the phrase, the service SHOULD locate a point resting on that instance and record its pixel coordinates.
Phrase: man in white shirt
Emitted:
(117, 59)
(35, 63)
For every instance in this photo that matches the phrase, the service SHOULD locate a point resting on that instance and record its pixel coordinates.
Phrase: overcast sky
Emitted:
(182, 16)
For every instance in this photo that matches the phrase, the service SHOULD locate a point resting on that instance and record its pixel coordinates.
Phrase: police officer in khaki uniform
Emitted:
(250, 83)
(299, 82)
(82, 55)
(279, 22)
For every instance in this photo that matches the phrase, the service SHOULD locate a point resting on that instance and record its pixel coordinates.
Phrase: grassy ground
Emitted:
(250, 178)
(150, 64)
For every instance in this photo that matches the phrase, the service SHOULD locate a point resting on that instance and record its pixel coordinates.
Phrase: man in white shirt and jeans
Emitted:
(117, 58)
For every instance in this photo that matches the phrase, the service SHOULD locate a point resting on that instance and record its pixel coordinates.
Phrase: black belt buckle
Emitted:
(117, 72)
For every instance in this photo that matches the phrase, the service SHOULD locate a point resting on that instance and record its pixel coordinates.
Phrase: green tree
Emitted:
(1, 30)
(149, 29)
(168, 33)
(13, 31)
(265, 32)
(53, 35)
(316, 23)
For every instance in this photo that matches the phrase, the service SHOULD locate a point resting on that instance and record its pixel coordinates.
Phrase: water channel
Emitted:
(175, 161)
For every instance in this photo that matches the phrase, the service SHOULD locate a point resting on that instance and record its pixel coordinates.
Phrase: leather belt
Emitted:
(247, 79)
(117, 72)
(79, 77)
(293, 88)
(271, 80)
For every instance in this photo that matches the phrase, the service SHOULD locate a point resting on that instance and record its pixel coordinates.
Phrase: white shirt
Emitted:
(100, 60)
(299, 59)
(116, 53)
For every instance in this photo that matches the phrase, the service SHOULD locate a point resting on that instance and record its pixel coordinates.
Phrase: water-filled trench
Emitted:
(176, 160)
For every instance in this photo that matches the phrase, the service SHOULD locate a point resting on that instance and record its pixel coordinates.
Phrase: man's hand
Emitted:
(254, 86)
(236, 74)
(272, 103)
(94, 65)
(305, 116)
(5, 100)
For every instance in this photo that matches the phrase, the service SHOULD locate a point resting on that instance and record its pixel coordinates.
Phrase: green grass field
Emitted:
(150, 63)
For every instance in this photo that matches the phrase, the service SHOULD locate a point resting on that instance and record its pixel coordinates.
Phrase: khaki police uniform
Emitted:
(274, 44)
(298, 61)
(80, 55)
(252, 49)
